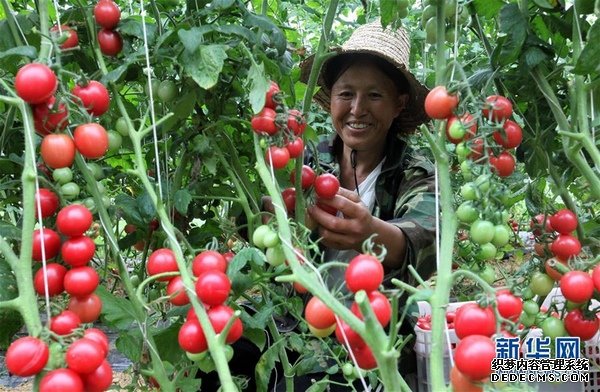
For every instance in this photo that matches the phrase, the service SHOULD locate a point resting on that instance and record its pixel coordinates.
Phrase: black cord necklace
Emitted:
(353, 164)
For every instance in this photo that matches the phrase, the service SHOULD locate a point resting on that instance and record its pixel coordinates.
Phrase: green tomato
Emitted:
(167, 91)
(467, 213)
(531, 307)
(135, 280)
(428, 13)
(541, 284)
(114, 141)
(462, 150)
(258, 237)
(121, 126)
(483, 183)
(449, 8)
(271, 239)
(275, 256)
(402, 12)
(481, 231)
(501, 235)
(106, 202)
(348, 370)
(450, 35)
(89, 203)
(96, 169)
(553, 328)
(431, 31)
(488, 274)
(526, 293)
(70, 190)
(469, 191)
(196, 357)
(154, 85)
(62, 175)
(527, 319)
(486, 252)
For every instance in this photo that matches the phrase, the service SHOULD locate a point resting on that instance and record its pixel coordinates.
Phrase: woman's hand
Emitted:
(349, 231)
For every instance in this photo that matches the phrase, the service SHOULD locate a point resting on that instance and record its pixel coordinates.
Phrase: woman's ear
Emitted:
(402, 102)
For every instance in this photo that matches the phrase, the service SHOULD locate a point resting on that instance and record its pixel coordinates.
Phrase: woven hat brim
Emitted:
(413, 114)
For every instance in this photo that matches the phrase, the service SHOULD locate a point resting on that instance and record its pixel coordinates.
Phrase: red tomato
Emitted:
(110, 42)
(81, 281)
(364, 272)
(84, 356)
(471, 319)
(88, 308)
(476, 147)
(503, 164)
(273, 90)
(276, 156)
(501, 108)
(48, 202)
(511, 135)
(99, 337)
(94, 97)
(299, 288)
(209, 260)
(318, 314)
(72, 38)
(381, 307)
(107, 14)
(91, 140)
(64, 323)
(364, 357)
(509, 306)
(162, 260)
(264, 122)
(57, 150)
(539, 224)
(461, 383)
(296, 122)
(74, 220)
(50, 116)
(578, 325)
(78, 251)
(564, 221)
(354, 339)
(424, 322)
(55, 274)
(461, 128)
(289, 199)
(35, 83)
(596, 277)
(473, 356)
(51, 244)
(551, 271)
(61, 380)
(212, 287)
(577, 286)
(326, 185)
(439, 104)
(308, 177)
(565, 246)
(228, 256)
(26, 356)
(176, 292)
(219, 317)
(191, 337)
(100, 379)
(295, 147)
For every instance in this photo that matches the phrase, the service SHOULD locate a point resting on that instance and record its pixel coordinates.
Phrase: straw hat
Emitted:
(390, 45)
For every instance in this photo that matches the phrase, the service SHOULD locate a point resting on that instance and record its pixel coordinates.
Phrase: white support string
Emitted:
(150, 94)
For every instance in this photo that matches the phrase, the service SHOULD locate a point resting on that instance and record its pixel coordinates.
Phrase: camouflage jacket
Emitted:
(404, 197)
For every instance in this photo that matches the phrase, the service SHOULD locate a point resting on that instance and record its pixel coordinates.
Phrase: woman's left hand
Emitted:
(347, 231)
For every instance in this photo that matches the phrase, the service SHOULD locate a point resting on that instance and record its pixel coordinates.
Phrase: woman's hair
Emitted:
(335, 67)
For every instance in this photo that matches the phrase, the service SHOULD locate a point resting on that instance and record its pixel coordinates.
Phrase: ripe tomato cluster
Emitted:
(364, 272)
(283, 127)
(108, 15)
(212, 288)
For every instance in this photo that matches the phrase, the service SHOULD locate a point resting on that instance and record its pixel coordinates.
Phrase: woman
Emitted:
(387, 190)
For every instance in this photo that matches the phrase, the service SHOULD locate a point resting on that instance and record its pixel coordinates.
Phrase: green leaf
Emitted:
(145, 206)
(130, 343)
(533, 56)
(21, 51)
(166, 343)
(259, 319)
(9, 231)
(514, 24)
(10, 320)
(210, 163)
(244, 257)
(222, 4)
(117, 312)
(265, 366)
(191, 39)
(488, 8)
(205, 65)
(588, 60)
(133, 26)
(128, 206)
(182, 200)
(256, 336)
(116, 74)
(259, 85)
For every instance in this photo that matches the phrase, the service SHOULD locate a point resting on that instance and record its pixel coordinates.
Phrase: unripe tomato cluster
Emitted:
(212, 287)
(453, 16)
(108, 15)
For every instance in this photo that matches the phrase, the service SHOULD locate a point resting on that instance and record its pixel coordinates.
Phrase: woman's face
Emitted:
(364, 102)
